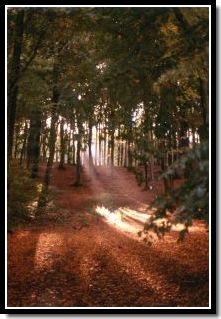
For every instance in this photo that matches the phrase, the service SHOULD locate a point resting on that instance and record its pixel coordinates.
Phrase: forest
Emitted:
(108, 156)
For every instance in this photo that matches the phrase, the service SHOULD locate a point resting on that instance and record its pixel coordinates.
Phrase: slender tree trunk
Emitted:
(44, 149)
(74, 151)
(129, 153)
(90, 127)
(52, 140)
(105, 147)
(99, 144)
(193, 136)
(96, 147)
(78, 164)
(35, 147)
(17, 142)
(204, 129)
(112, 150)
(14, 73)
(69, 148)
(121, 153)
(118, 154)
(62, 145)
(78, 160)
(43, 141)
(118, 148)
(24, 142)
(125, 154)
(28, 151)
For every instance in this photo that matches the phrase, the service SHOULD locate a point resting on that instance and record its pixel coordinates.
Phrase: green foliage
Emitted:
(191, 199)
(22, 193)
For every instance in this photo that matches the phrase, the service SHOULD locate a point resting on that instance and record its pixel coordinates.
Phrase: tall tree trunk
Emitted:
(44, 148)
(99, 144)
(122, 153)
(74, 151)
(129, 153)
(52, 140)
(14, 73)
(24, 142)
(52, 137)
(203, 90)
(69, 148)
(78, 164)
(28, 150)
(35, 142)
(96, 146)
(33, 147)
(118, 148)
(62, 145)
(125, 154)
(112, 150)
(193, 136)
(90, 127)
(105, 148)
(17, 142)
(118, 153)
(78, 159)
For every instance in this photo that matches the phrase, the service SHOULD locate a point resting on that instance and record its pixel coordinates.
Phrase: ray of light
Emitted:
(115, 219)
(141, 217)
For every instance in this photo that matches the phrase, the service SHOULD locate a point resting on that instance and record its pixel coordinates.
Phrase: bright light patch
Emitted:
(48, 121)
(48, 247)
(118, 218)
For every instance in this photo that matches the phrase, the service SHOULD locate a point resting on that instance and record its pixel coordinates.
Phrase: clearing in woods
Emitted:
(85, 251)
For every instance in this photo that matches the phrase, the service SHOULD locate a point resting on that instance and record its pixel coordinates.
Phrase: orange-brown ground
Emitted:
(72, 257)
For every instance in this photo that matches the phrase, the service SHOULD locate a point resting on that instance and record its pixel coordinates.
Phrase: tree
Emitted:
(13, 74)
(116, 85)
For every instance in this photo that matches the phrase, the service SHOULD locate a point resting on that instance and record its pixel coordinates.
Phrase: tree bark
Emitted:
(24, 142)
(35, 142)
(122, 153)
(62, 145)
(112, 150)
(52, 136)
(78, 159)
(126, 154)
(14, 73)
(74, 151)
(204, 129)
(99, 145)
(96, 147)
(90, 127)
(52, 139)
(105, 148)
(17, 142)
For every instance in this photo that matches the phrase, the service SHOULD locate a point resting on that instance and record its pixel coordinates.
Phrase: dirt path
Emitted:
(78, 259)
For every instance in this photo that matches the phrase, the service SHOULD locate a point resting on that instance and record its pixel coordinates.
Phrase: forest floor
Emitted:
(85, 251)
